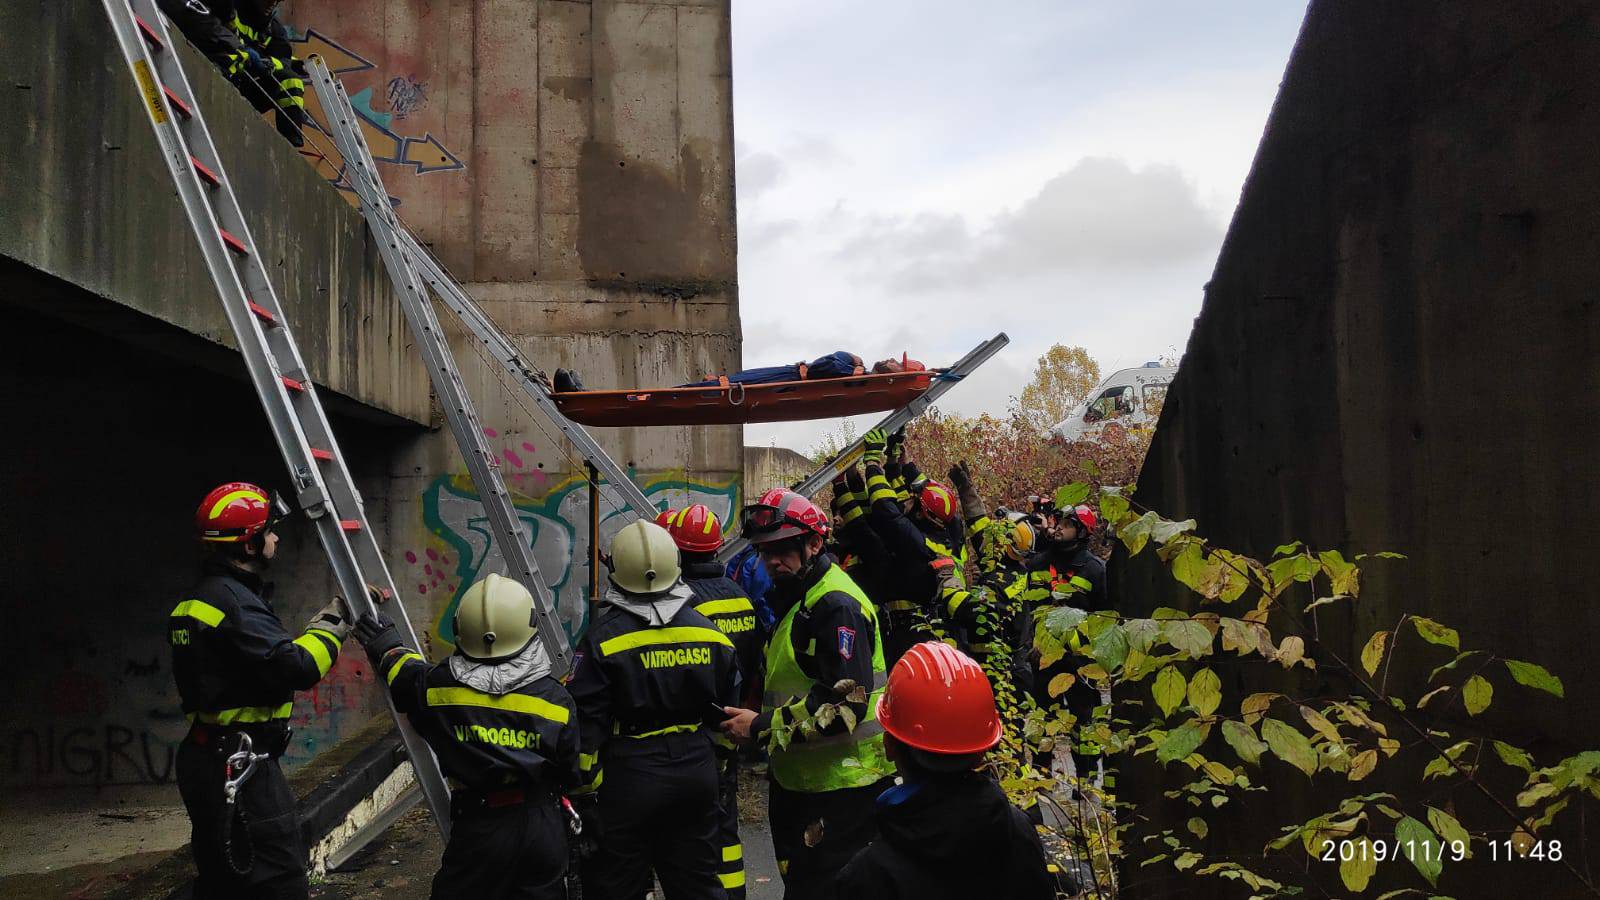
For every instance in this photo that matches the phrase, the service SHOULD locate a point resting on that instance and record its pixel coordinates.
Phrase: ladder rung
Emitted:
(233, 243)
(206, 175)
(291, 384)
(262, 313)
(149, 33)
(350, 524)
(179, 106)
(319, 453)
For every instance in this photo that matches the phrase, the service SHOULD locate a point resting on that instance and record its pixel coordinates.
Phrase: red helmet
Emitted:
(233, 513)
(1084, 516)
(694, 528)
(937, 502)
(781, 513)
(939, 700)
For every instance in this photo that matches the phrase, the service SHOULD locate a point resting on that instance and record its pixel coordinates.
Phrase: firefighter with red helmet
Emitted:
(1063, 572)
(947, 830)
(923, 571)
(237, 671)
(818, 718)
(698, 534)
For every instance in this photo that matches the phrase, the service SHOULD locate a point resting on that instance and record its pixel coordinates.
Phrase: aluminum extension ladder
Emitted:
(321, 480)
(513, 540)
(849, 456)
(364, 178)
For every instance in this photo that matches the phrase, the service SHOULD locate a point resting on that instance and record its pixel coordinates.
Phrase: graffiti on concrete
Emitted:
(404, 94)
(98, 753)
(558, 524)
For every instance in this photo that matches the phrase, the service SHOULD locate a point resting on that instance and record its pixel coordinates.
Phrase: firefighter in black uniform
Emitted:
(651, 675)
(1063, 572)
(246, 40)
(947, 832)
(922, 572)
(698, 534)
(237, 671)
(506, 735)
(855, 545)
(818, 718)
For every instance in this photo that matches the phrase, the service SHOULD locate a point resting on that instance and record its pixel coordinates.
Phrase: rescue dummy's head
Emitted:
(644, 559)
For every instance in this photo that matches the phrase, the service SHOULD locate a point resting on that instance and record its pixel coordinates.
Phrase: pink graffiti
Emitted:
(433, 555)
(422, 588)
(527, 446)
(513, 458)
(427, 570)
(411, 557)
(491, 432)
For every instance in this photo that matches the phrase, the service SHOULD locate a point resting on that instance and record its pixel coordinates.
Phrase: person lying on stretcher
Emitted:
(837, 364)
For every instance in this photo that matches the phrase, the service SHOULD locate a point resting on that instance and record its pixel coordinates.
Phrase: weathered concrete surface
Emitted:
(767, 467)
(588, 201)
(86, 200)
(1398, 351)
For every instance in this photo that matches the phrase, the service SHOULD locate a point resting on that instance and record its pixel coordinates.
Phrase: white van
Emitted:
(1130, 398)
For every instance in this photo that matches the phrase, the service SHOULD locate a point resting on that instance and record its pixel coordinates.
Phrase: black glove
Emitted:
(960, 476)
(378, 636)
(856, 481)
(897, 445)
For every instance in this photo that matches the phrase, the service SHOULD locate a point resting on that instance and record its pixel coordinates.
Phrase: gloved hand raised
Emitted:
(334, 619)
(897, 444)
(971, 502)
(856, 481)
(378, 636)
(876, 443)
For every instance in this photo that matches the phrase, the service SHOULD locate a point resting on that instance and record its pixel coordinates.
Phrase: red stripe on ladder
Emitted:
(350, 524)
(179, 106)
(149, 33)
(233, 243)
(262, 313)
(291, 384)
(206, 175)
(319, 453)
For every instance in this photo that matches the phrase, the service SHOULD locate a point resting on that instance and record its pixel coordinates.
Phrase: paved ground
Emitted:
(58, 844)
(401, 864)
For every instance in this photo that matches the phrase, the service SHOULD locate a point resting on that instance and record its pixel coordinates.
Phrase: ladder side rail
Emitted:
(325, 504)
(510, 359)
(896, 420)
(460, 413)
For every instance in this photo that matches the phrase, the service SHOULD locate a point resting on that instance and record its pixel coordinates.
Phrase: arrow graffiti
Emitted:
(423, 155)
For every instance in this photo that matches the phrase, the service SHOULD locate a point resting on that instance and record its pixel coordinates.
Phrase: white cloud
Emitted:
(1057, 171)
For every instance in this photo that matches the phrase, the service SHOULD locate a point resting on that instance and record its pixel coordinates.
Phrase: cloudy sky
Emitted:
(920, 175)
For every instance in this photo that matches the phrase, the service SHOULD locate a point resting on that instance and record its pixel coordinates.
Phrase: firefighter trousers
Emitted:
(840, 823)
(731, 870)
(658, 810)
(267, 844)
(507, 852)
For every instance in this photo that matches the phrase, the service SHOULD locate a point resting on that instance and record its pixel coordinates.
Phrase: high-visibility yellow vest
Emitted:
(820, 763)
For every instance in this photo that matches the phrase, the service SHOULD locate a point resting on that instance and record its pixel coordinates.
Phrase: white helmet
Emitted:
(644, 559)
(494, 620)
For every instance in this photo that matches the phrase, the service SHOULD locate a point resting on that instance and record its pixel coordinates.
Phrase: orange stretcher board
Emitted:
(739, 404)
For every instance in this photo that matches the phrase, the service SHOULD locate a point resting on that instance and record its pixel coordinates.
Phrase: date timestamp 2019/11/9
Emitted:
(1429, 851)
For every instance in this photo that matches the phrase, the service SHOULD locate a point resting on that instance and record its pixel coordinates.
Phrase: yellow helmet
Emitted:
(644, 559)
(494, 620)
(1022, 537)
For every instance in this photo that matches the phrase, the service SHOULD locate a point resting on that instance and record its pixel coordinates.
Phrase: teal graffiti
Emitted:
(557, 525)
